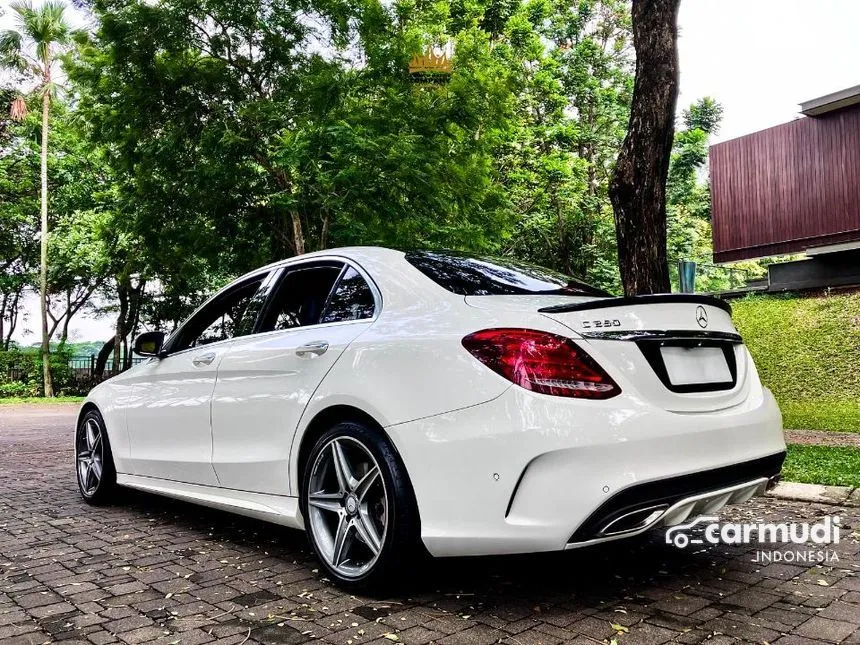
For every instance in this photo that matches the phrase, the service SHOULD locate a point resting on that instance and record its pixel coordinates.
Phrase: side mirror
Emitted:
(149, 343)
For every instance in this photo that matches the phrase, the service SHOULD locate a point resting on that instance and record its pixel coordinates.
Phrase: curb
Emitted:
(842, 495)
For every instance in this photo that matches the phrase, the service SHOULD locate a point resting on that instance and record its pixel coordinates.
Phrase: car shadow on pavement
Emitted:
(635, 567)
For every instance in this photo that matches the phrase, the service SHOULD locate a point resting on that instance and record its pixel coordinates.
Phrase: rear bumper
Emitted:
(668, 502)
(527, 473)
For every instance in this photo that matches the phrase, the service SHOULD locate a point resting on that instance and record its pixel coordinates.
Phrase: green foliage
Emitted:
(21, 372)
(80, 249)
(574, 101)
(825, 413)
(247, 140)
(688, 197)
(705, 114)
(831, 466)
(806, 352)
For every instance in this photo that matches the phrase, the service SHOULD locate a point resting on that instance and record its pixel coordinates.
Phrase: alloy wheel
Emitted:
(90, 456)
(348, 506)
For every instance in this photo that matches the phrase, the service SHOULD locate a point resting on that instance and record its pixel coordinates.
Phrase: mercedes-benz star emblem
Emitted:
(701, 316)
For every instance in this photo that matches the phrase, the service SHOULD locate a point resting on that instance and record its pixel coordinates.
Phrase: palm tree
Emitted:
(33, 48)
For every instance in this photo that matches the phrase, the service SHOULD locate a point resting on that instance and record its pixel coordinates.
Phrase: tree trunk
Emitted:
(298, 236)
(43, 270)
(324, 231)
(133, 320)
(122, 293)
(2, 322)
(102, 358)
(638, 187)
(12, 310)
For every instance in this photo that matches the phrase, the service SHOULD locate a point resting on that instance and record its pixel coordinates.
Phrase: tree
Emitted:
(572, 83)
(18, 230)
(19, 252)
(33, 49)
(249, 140)
(705, 114)
(689, 202)
(638, 187)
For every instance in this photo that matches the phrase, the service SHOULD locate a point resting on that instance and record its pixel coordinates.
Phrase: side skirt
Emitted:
(278, 509)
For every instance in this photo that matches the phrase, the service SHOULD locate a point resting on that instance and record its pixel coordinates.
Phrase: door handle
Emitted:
(203, 359)
(316, 348)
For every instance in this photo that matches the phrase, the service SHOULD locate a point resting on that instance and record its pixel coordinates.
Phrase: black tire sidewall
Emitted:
(402, 535)
(107, 484)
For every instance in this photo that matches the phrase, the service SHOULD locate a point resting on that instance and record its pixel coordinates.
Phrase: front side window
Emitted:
(485, 276)
(228, 316)
(352, 299)
(300, 297)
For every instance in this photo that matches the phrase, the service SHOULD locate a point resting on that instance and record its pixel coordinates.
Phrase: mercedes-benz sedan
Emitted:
(388, 401)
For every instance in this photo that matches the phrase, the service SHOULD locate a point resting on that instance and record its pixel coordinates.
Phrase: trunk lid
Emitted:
(679, 351)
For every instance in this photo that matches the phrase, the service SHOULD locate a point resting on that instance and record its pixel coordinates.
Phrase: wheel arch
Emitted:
(322, 421)
(86, 407)
(325, 419)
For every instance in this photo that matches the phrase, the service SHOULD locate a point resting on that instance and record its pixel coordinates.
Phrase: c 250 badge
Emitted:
(600, 324)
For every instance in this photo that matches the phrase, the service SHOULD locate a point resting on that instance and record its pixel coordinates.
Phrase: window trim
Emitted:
(224, 291)
(309, 263)
(276, 285)
(273, 273)
(370, 285)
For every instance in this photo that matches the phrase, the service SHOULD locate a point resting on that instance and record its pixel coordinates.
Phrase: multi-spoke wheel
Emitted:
(93, 458)
(358, 505)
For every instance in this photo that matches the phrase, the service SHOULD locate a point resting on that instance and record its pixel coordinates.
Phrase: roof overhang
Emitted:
(831, 102)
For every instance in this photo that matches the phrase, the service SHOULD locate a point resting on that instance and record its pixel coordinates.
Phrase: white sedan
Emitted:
(384, 400)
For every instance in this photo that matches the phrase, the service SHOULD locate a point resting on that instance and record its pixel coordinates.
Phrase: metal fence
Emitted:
(84, 367)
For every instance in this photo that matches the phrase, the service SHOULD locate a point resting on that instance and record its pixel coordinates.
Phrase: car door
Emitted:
(169, 421)
(266, 380)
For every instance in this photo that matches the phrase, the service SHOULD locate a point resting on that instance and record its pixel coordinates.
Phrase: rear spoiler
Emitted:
(603, 303)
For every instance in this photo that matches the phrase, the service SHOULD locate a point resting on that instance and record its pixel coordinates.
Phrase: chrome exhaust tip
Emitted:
(641, 519)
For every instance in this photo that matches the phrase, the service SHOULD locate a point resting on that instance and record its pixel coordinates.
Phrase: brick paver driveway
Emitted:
(151, 569)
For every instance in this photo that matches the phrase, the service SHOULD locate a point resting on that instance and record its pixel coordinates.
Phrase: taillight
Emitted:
(541, 362)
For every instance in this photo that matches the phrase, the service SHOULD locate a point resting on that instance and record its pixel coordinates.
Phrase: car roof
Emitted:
(357, 253)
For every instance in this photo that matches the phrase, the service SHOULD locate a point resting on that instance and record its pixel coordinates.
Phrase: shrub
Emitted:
(21, 372)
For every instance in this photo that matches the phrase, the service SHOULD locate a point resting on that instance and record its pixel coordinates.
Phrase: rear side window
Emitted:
(300, 297)
(351, 300)
(487, 276)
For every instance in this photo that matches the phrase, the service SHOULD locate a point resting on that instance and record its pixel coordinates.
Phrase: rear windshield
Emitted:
(487, 276)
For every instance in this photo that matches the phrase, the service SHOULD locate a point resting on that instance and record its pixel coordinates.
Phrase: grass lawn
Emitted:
(17, 400)
(806, 349)
(822, 465)
(823, 414)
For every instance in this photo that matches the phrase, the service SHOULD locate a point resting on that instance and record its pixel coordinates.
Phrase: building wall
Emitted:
(788, 188)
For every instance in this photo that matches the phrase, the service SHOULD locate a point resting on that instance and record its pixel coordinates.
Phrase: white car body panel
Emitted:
(574, 457)
(263, 387)
(168, 418)
(278, 509)
(495, 468)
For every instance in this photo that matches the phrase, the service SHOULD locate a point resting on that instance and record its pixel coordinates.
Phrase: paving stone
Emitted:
(681, 604)
(752, 600)
(152, 570)
(826, 629)
(811, 492)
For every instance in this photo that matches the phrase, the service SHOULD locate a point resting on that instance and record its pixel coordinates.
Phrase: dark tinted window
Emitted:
(480, 276)
(351, 300)
(228, 316)
(300, 297)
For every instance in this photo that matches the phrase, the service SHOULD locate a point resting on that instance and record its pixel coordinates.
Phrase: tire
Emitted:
(94, 467)
(380, 534)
